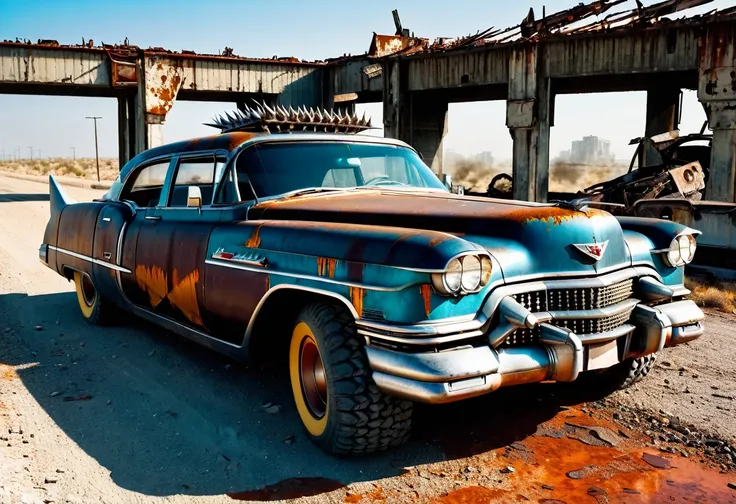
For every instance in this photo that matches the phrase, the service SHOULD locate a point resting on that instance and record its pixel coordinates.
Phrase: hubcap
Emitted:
(313, 378)
(88, 291)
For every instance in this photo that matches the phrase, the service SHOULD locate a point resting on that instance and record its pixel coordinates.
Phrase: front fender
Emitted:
(383, 271)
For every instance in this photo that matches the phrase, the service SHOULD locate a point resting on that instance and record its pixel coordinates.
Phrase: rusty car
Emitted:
(290, 236)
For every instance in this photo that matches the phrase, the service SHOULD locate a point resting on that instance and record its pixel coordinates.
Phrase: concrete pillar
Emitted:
(717, 93)
(663, 106)
(417, 118)
(528, 116)
(124, 139)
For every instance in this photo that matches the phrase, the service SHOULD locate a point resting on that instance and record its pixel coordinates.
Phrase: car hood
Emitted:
(525, 238)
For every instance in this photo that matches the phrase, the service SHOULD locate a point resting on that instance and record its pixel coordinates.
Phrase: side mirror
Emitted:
(194, 197)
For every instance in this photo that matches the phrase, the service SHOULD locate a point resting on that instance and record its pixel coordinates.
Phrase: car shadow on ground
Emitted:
(166, 416)
(13, 197)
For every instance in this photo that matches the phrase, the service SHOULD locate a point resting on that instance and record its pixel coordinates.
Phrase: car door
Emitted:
(143, 191)
(112, 223)
(172, 242)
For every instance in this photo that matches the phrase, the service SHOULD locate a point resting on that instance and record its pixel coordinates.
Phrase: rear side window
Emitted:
(144, 189)
(195, 172)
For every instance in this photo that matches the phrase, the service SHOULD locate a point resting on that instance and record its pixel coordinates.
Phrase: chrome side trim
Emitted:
(245, 267)
(90, 259)
(440, 327)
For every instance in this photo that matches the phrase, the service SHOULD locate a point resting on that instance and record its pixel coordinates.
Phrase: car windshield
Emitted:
(284, 167)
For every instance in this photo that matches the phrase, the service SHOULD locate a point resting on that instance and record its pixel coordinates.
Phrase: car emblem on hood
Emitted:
(594, 250)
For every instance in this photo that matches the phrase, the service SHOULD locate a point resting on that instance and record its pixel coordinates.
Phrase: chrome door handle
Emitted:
(153, 217)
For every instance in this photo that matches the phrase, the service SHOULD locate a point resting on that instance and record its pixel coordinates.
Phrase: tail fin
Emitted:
(57, 198)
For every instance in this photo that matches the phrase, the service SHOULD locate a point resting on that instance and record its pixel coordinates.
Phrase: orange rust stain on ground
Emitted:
(356, 295)
(7, 373)
(553, 215)
(352, 498)
(255, 239)
(152, 281)
(475, 495)
(426, 292)
(184, 296)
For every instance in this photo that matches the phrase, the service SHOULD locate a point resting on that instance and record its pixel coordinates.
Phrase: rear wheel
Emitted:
(94, 308)
(338, 402)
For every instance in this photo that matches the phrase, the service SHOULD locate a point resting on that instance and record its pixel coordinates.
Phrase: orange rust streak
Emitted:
(7, 373)
(331, 263)
(356, 295)
(426, 291)
(321, 266)
(255, 239)
(184, 296)
(152, 281)
(556, 215)
(238, 137)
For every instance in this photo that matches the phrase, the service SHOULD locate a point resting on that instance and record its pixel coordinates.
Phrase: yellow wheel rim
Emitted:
(308, 379)
(86, 293)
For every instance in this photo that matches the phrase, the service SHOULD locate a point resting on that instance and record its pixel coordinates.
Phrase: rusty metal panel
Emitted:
(53, 66)
(460, 68)
(636, 52)
(350, 76)
(163, 79)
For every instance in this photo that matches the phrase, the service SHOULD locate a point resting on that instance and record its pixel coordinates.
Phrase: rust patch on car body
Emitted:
(152, 281)
(326, 266)
(552, 215)
(184, 296)
(255, 239)
(426, 291)
(356, 296)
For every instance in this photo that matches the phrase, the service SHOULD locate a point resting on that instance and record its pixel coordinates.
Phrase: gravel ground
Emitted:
(131, 414)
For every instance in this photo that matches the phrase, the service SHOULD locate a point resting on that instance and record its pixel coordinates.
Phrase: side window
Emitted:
(194, 172)
(144, 188)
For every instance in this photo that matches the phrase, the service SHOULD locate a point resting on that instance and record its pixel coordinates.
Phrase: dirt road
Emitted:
(130, 414)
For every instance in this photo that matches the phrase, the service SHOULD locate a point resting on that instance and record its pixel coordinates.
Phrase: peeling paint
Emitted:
(426, 291)
(184, 296)
(356, 296)
(326, 266)
(152, 281)
(255, 239)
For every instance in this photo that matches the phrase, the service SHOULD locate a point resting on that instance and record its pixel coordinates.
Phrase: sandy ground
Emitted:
(131, 414)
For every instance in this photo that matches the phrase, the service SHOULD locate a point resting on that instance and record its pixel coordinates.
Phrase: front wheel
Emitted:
(338, 402)
(95, 309)
(622, 375)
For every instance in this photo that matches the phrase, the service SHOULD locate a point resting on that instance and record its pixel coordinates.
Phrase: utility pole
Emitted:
(74, 153)
(97, 155)
(30, 149)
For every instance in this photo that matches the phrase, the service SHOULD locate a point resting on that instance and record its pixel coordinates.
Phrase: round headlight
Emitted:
(681, 251)
(486, 268)
(454, 276)
(471, 273)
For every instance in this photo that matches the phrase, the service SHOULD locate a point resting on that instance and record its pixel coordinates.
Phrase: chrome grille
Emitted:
(576, 299)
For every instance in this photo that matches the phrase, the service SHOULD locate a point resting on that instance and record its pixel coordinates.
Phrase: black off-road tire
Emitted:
(622, 375)
(95, 309)
(358, 418)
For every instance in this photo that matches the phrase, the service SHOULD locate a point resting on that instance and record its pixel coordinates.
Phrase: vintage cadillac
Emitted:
(289, 236)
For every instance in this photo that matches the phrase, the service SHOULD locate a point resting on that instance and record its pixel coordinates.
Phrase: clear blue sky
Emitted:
(307, 29)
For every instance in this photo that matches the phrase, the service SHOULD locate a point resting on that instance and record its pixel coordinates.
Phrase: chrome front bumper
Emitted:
(462, 369)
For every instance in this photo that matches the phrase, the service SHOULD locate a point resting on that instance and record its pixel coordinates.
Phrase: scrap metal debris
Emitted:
(670, 166)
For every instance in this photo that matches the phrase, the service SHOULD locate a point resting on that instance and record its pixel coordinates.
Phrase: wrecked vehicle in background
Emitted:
(668, 167)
